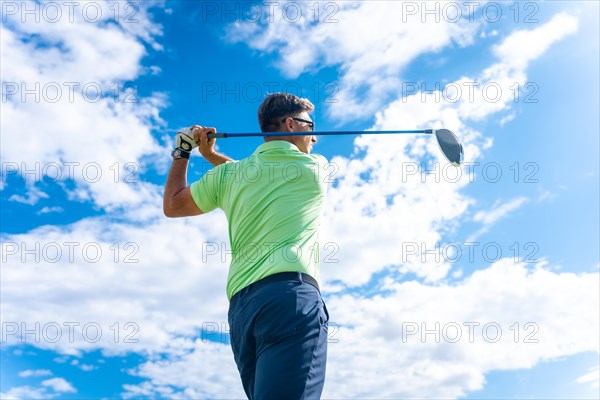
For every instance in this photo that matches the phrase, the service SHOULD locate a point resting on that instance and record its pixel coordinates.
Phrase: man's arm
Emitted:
(217, 158)
(177, 200)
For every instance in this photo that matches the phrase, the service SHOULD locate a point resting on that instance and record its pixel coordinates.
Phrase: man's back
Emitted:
(273, 201)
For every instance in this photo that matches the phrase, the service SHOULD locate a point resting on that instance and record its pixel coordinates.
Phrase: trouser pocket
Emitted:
(323, 313)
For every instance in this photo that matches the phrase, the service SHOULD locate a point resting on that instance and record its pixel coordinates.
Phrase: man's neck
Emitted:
(271, 138)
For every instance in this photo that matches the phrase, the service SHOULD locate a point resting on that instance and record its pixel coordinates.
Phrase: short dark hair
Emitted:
(279, 105)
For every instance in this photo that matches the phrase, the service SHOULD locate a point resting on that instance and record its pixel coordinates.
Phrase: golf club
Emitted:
(449, 144)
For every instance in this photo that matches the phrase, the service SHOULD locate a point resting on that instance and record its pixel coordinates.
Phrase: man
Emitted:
(273, 201)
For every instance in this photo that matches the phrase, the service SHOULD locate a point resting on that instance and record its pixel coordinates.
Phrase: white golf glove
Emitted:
(185, 140)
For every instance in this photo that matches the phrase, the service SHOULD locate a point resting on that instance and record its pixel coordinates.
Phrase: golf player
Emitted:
(273, 201)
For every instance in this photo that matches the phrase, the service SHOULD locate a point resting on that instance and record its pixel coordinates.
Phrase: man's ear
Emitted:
(287, 125)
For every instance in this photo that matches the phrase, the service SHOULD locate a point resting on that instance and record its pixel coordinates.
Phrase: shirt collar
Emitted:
(276, 145)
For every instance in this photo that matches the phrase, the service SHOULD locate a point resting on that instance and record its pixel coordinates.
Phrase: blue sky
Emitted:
(103, 297)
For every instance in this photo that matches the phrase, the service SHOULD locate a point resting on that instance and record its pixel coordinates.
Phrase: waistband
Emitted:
(281, 276)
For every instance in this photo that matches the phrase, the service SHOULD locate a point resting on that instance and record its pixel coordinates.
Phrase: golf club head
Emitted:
(450, 146)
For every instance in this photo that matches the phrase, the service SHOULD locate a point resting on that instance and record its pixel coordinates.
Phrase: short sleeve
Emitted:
(207, 191)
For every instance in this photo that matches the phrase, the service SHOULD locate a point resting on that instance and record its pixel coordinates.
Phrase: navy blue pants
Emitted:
(279, 339)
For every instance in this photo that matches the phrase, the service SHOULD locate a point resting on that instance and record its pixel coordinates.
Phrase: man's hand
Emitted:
(205, 145)
(197, 136)
(185, 140)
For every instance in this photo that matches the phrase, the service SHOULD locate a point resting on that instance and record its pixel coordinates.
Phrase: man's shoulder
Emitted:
(220, 171)
(321, 159)
(226, 165)
(317, 160)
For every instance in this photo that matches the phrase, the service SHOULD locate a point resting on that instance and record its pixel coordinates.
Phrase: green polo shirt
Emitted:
(273, 201)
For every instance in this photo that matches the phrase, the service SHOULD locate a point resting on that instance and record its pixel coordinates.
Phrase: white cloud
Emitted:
(373, 353)
(210, 373)
(31, 198)
(62, 128)
(47, 210)
(37, 372)
(86, 367)
(154, 276)
(592, 378)
(25, 393)
(411, 209)
(507, 118)
(371, 59)
(498, 85)
(526, 45)
(59, 385)
(375, 333)
(49, 389)
(499, 211)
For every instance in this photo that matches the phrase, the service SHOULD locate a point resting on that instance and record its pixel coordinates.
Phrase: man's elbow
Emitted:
(174, 209)
(169, 211)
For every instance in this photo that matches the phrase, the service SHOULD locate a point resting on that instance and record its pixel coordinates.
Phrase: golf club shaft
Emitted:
(323, 133)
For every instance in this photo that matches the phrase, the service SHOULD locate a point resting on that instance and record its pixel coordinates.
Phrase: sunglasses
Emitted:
(311, 124)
